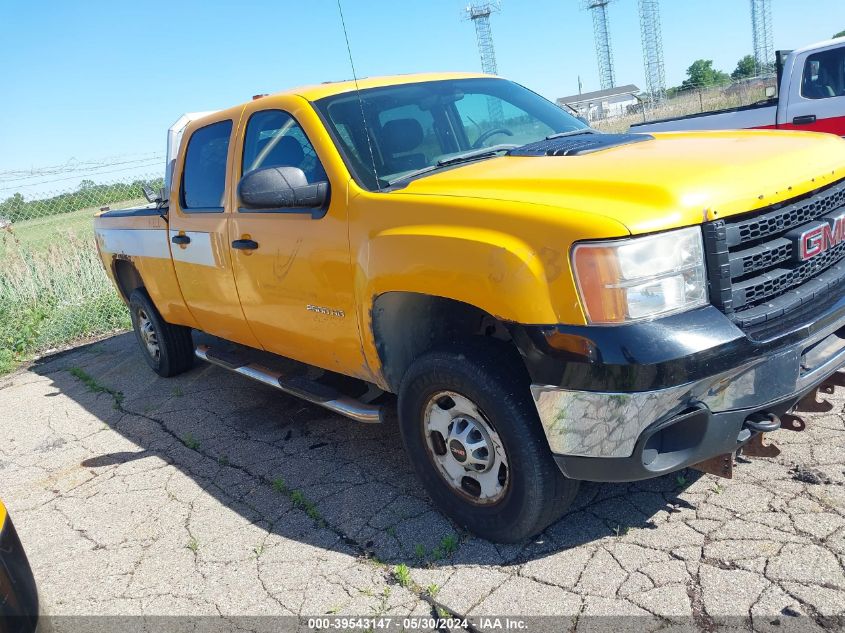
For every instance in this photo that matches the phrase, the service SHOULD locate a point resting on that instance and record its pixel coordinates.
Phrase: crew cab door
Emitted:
(817, 92)
(198, 232)
(292, 266)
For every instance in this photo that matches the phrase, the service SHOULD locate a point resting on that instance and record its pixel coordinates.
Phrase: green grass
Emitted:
(53, 289)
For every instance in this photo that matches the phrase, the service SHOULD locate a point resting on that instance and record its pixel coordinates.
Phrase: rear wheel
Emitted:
(468, 421)
(168, 349)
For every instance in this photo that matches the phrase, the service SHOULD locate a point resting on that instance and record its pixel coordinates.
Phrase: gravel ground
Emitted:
(208, 494)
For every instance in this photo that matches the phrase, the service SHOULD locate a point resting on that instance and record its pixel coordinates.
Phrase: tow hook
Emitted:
(760, 423)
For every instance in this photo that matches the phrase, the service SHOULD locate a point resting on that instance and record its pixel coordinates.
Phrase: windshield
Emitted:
(416, 126)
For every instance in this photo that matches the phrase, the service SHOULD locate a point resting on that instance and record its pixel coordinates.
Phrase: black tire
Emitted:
(175, 345)
(492, 376)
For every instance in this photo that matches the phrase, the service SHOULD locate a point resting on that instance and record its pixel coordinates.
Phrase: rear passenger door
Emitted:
(817, 92)
(199, 233)
(296, 283)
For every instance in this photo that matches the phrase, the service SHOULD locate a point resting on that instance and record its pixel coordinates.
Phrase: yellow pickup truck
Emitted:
(549, 304)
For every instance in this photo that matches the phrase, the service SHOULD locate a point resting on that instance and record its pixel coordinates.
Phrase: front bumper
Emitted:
(636, 401)
(18, 594)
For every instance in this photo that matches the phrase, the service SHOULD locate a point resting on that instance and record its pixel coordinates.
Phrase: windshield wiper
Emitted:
(586, 130)
(455, 159)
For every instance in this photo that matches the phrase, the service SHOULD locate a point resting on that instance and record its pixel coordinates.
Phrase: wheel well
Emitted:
(127, 277)
(408, 324)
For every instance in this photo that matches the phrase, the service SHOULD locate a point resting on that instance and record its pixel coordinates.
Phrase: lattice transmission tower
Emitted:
(655, 73)
(761, 31)
(479, 14)
(601, 33)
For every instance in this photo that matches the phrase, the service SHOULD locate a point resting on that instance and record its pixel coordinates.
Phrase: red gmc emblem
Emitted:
(820, 236)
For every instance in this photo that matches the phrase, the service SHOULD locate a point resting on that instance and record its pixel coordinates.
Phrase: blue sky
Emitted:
(96, 78)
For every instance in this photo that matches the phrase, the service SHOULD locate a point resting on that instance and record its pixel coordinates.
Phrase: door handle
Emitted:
(181, 240)
(804, 120)
(245, 245)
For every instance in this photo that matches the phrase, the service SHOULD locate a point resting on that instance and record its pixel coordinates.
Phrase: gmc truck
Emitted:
(811, 97)
(547, 303)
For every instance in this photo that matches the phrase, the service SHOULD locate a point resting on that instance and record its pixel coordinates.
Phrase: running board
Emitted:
(298, 386)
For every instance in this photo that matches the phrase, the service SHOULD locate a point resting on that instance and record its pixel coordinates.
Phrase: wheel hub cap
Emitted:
(148, 334)
(467, 451)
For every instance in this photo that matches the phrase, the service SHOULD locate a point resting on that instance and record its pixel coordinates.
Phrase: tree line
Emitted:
(88, 194)
(702, 74)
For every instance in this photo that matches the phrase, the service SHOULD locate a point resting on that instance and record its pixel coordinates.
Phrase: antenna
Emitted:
(358, 92)
(479, 14)
(655, 74)
(761, 32)
(601, 33)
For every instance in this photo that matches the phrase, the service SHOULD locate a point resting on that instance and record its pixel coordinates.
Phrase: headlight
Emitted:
(641, 277)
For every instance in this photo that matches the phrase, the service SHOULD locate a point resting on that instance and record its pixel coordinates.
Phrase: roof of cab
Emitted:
(318, 91)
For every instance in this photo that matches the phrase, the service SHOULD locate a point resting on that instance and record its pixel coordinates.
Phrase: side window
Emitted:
(204, 176)
(274, 139)
(824, 75)
(408, 139)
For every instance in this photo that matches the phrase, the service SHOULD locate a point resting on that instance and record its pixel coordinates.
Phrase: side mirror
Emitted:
(279, 188)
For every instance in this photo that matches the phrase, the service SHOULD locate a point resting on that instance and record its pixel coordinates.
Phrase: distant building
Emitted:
(601, 104)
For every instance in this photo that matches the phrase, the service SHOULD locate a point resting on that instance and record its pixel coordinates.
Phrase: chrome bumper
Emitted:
(608, 424)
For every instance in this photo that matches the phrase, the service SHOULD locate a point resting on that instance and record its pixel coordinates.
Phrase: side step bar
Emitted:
(300, 387)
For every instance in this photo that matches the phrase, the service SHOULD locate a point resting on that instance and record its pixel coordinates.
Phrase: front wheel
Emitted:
(468, 421)
(167, 348)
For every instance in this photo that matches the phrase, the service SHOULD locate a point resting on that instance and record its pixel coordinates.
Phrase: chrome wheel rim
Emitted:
(148, 334)
(465, 448)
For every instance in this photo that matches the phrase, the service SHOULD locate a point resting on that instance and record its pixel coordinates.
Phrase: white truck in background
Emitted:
(810, 97)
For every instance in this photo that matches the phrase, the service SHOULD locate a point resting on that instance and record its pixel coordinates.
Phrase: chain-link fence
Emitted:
(686, 101)
(53, 290)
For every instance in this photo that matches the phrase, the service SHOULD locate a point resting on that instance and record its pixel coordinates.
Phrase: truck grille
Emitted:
(753, 272)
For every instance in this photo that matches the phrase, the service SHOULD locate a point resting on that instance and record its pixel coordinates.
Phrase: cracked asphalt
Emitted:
(209, 494)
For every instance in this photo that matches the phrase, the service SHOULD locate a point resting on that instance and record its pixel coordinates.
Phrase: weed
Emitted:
(449, 544)
(620, 530)
(432, 590)
(279, 485)
(443, 613)
(193, 545)
(419, 551)
(258, 550)
(297, 498)
(681, 480)
(402, 575)
(190, 441)
(718, 489)
(391, 531)
(177, 392)
(436, 554)
(95, 387)
(223, 460)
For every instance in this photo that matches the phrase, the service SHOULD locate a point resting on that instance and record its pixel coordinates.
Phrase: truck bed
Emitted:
(756, 115)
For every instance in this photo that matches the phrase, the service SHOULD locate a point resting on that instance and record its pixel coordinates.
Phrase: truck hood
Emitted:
(677, 179)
